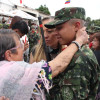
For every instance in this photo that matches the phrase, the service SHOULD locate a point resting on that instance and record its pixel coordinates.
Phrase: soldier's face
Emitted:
(66, 33)
(50, 35)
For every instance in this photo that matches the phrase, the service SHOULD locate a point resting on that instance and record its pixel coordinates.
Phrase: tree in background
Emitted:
(43, 9)
(90, 22)
(96, 22)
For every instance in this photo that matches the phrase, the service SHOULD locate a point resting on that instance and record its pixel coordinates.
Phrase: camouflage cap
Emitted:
(93, 29)
(65, 14)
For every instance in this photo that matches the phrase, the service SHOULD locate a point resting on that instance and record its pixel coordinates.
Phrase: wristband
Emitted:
(77, 44)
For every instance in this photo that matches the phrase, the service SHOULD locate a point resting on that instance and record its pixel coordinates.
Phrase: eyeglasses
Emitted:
(21, 45)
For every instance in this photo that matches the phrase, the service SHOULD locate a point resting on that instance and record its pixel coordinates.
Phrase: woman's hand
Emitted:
(26, 45)
(3, 98)
(82, 36)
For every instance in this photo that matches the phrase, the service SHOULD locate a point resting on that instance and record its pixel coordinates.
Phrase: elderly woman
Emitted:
(22, 81)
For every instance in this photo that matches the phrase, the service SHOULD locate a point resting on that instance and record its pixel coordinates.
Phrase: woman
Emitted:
(53, 46)
(23, 81)
(96, 50)
(96, 46)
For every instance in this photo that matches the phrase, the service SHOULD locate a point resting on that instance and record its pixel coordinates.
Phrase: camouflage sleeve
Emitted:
(81, 81)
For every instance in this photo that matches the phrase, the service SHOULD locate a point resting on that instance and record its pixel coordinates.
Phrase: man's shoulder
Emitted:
(84, 55)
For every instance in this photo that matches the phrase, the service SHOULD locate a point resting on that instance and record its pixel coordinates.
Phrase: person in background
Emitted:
(91, 31)
(9, 20)
(20, 78)
(33, 37)
(29, 23)
(14, 20)
(3, 20)
(22, 29)
(96, 50)
(96, 46)
(81, 79)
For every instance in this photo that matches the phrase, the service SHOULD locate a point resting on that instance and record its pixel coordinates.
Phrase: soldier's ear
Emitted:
(77, 25)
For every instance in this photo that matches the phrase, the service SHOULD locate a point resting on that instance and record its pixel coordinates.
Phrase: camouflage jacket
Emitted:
(79, 81)
(33, 40)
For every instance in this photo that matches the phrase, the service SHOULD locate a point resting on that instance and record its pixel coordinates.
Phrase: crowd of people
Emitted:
(73, 69)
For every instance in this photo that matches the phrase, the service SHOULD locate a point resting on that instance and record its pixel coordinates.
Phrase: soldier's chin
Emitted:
(62, 42)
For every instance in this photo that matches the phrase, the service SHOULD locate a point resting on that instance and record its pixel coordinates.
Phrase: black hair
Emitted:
(7, 41)
(21, 26)
(14, 20)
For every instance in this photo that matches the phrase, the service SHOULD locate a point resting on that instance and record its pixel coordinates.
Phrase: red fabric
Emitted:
(33, 31)
(25, 39)
(90, 44)
(67, 2)
(41, 25)
(63, 48)
(20, 1)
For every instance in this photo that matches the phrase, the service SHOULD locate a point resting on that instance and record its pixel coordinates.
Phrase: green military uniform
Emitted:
(81, 78)
(33, 39)
(65, 14)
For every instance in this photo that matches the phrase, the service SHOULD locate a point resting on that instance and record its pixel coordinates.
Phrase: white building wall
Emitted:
(8, 5)
(5, 7)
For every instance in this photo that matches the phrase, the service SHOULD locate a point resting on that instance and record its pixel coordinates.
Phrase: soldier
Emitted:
(80, 80)
(33, 37)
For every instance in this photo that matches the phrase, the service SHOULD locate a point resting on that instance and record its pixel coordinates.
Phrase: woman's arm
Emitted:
(31, 58)
(3, 98)
(60, 63)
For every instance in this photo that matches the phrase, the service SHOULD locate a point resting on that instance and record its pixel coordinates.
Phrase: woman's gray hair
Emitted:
(7, 41)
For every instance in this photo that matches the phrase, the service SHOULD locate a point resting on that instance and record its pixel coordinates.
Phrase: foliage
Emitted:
(92, 22)
(1, 26)
(44, 9)
(5, 26)
(96, 22)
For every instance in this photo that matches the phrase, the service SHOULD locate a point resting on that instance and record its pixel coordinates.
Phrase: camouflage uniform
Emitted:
(54, 52)
(81, 78)
(79, 81)
(33, 39)
(65, 14)
(4, 26)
